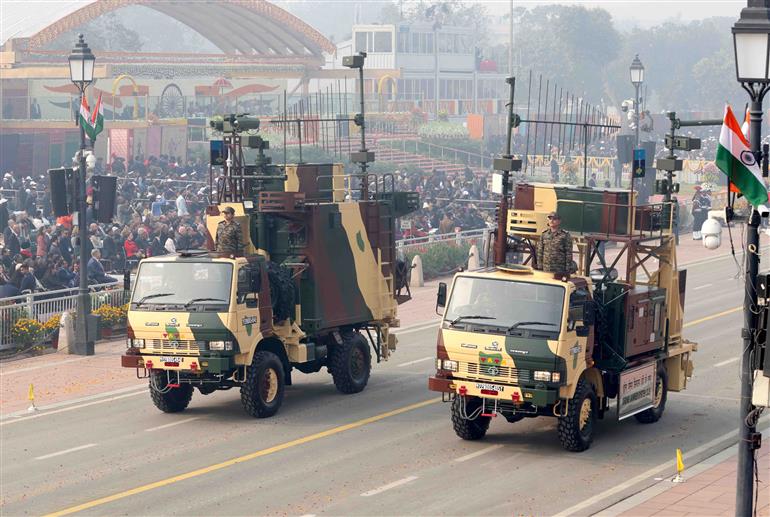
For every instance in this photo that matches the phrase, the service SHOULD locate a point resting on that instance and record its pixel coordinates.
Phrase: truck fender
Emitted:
(275, 346)
(592, 375)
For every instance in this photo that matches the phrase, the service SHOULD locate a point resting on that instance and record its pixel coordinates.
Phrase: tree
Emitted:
(106, 32)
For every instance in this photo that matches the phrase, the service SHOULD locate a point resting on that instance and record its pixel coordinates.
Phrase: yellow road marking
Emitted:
(241, 459)
(713, 316)
(283, 446)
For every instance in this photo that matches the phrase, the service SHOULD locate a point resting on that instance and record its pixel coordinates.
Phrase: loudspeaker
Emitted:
(60, 200)
(625, 145)
(104, 197)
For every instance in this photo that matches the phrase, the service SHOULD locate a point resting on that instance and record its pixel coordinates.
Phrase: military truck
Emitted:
(312, 288)
(602, 340)
(522, 343)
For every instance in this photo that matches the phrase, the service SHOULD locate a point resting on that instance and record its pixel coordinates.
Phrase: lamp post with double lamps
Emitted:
(637, 78)
(751, 37)
(82, 62)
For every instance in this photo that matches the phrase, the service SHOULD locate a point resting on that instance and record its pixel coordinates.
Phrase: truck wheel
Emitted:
(576, 430)
(652, 415)
(262, 391)
(469, 429)
(172, 401)
(350, 363)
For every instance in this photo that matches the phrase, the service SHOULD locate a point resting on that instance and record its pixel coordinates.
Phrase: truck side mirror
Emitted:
(244, 282)
(589, 313)
(441, 296)
(256, 279)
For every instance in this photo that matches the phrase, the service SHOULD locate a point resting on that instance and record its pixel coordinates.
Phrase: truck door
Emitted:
(247, 306)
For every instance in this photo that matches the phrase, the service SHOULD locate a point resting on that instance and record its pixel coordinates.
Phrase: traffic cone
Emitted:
(31, 397)
(679, 467)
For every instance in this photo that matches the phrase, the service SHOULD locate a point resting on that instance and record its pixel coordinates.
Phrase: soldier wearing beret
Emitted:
(554, 249)
(229, 233)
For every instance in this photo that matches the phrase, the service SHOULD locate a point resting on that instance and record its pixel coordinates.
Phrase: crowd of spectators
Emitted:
(449, 202)
(160, 207)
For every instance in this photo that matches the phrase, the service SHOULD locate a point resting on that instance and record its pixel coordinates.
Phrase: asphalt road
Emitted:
(387, 451)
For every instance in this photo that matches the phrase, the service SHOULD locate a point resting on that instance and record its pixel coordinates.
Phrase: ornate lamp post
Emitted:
(751, 37)
(637, 78)
(81, 62)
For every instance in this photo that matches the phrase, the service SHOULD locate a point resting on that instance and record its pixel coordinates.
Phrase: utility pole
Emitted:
(510, 44)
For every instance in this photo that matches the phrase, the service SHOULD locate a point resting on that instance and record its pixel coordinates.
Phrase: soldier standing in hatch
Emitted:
(229, 233)
(554, 249)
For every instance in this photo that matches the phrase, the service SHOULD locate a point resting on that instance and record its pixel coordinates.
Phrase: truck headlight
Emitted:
(542, 376)
(451, 366)
(555, 377)
(138, 343)
(220, 345)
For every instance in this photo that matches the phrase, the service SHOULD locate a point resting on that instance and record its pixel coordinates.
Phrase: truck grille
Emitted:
(504, 372)
(177, 346)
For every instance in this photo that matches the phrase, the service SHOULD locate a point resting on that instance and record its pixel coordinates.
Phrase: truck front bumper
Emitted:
(540, 397)
(194, 364)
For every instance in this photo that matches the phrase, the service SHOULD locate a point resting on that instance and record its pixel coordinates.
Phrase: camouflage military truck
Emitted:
(519, 342)
(312, 288)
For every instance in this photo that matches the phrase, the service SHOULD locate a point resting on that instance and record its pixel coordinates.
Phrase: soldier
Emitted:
(229, 234)
(554, 249)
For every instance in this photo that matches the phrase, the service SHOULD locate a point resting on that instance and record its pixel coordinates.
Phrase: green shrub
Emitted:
(440, 259)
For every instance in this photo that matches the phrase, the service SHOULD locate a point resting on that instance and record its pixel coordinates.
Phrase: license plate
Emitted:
(487, 386)
(169, 359)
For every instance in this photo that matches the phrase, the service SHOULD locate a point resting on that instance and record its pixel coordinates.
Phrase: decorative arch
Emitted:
(275, 31)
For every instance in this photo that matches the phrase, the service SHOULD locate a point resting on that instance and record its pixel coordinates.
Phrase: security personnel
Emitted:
(229, 233)
(554, 249)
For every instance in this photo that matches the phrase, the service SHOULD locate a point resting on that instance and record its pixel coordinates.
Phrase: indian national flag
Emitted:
(95, 123)
(85, 112)
(736, 160)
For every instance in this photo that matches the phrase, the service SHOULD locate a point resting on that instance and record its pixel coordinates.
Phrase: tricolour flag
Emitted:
(735, 159)
(95, 123)
(85, 113)
(746, 123)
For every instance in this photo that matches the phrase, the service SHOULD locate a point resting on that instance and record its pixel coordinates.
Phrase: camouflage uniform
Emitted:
(229, 237)
(554, 251)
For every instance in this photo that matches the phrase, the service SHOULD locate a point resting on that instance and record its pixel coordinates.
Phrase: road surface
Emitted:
(389, 450)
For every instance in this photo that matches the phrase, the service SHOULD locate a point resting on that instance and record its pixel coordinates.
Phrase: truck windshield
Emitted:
(512, 305)
(178, 283)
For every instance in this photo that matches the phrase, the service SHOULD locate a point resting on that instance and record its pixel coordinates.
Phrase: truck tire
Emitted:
(262, 391)
(172, 401)
(576, 430)
(467, 429)
(652, 415)
(350, 363)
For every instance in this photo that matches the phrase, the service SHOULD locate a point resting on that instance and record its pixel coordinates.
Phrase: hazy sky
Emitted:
(649, 11)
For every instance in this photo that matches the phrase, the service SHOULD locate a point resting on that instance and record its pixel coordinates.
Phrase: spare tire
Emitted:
(281, 291)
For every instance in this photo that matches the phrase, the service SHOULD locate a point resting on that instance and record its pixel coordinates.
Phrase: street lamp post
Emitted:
(81, 62)
(637, 78)
(751, 38)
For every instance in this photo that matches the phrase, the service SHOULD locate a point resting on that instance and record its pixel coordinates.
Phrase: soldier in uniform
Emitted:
(554, 249)
(229, 233)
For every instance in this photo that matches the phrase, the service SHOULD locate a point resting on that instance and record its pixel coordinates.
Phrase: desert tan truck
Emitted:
(311, 287)
(602, 341)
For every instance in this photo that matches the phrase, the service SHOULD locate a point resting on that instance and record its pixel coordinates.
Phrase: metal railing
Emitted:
(42, 306)
(406, 245)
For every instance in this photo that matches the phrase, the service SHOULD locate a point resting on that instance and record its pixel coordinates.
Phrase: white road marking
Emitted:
(389, 486)
(43, 413)
(66, 451)
(478, 453)
(724, 363)
(40, 366)
(408, 363)
(701, 287)
(416, 328)
(172, 424)
(732, 436)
